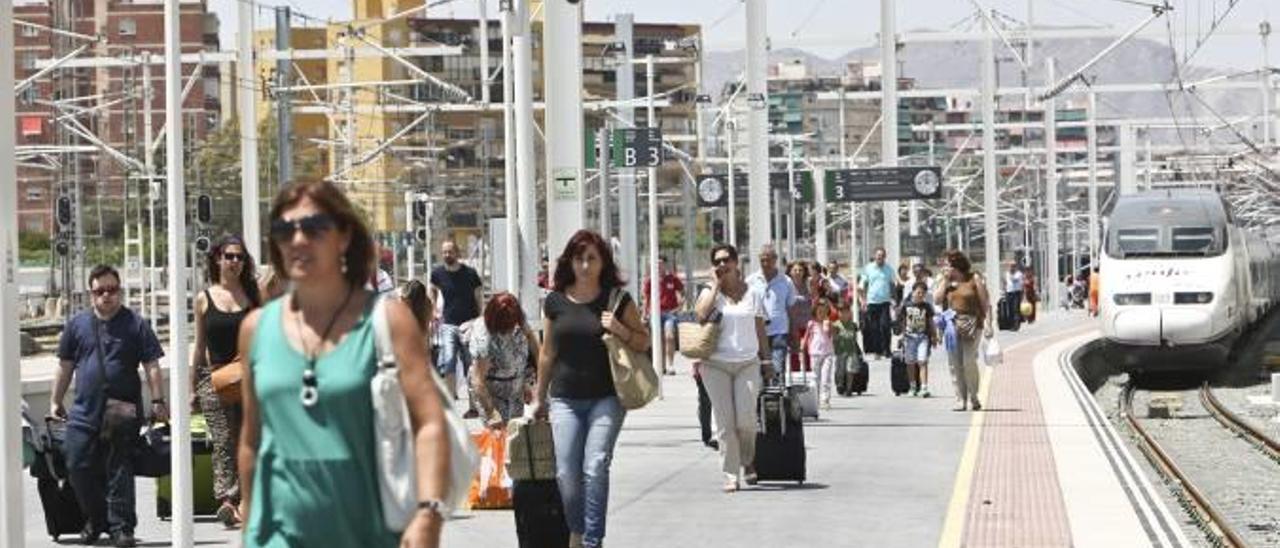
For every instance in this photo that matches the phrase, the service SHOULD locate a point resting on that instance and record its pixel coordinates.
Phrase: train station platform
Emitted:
(1038, 466)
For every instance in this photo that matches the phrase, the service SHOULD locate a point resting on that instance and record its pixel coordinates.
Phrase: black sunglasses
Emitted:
(234, 256)
(721, 261)
(311, 226)
(104, 291)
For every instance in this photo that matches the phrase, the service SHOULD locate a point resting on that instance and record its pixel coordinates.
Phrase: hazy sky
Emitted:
(832, 27)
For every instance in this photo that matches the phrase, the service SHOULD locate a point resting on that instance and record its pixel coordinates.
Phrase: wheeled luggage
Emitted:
(851, 376)
(898, 379)
(206, 501)
(62, 515)
(780, 452)
(539, 514)
(1008, 317)
(535, 496)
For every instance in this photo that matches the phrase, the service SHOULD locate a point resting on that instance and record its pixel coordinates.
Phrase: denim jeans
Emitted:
(585, 432)
(779, 350)
(101, 472)
(453, 351)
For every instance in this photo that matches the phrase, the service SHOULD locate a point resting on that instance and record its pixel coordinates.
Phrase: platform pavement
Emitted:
(881, 473)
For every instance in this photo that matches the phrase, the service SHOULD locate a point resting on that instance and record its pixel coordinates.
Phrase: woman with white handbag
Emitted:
(732, 373)
(309, 455)
(964, 295)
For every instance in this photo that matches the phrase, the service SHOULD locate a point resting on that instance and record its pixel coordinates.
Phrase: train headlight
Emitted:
(1131, 299)
(1199, 297)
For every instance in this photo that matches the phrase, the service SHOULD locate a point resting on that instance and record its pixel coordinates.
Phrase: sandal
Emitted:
(229, 515)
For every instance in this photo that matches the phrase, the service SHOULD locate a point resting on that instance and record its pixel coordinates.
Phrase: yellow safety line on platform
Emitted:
(958, 508)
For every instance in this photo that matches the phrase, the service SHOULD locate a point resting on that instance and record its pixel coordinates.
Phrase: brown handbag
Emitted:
(227, 380)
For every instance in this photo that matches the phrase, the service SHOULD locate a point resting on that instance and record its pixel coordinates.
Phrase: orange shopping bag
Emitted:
(491, 488)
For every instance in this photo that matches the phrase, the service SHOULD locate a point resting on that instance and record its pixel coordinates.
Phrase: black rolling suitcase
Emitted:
(62, 514)
(851, 376)
(780, 453)
(898, 379)
(1008, 317)
(539, 514)
(535, 496)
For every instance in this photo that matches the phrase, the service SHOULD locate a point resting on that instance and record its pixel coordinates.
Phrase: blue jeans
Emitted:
(779, 349)
(585, 432)
(452, 351)
(101, 472)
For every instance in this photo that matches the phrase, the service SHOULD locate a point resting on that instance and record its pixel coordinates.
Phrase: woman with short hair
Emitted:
(501, 345)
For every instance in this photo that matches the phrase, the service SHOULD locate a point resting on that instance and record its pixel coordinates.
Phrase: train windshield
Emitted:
(1165, 241)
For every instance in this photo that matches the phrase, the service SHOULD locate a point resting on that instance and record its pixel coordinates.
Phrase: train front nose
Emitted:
(1155, 326)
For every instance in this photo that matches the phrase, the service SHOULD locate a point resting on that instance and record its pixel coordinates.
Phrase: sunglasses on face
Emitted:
(719, 261)
(237, 257)
(105, 291)
(312, 226)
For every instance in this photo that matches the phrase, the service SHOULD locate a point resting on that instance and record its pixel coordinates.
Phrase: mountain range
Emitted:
(956, 64)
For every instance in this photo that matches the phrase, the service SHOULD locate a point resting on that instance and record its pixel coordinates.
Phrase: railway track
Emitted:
(1255, 437)
(1193, 498)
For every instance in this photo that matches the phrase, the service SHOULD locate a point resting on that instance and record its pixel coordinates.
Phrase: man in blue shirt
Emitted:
(779, 297)
(876, 292)
(103, 348)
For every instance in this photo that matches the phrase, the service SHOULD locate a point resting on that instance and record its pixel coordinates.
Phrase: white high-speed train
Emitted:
(1181, 281)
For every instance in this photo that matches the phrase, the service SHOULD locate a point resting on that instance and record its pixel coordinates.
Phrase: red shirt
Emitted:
(668, 294)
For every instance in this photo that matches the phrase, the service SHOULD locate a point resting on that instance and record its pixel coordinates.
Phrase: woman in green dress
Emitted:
(307, 457)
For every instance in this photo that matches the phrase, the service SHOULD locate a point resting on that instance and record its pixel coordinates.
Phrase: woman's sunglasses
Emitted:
(311, 226)
(239, 257)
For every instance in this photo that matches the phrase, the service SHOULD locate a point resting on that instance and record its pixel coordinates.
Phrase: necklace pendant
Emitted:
(309, 396)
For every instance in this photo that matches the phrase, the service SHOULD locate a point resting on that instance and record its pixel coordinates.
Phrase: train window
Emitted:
(1130, 240)
(1193, 239)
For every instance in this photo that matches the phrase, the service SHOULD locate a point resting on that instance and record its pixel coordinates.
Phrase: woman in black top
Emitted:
(232, 293)
(574, 364)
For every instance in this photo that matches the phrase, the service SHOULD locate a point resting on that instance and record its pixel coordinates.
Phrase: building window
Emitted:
(128, 26)
(34, 193)
(30, 32)
(27, 61)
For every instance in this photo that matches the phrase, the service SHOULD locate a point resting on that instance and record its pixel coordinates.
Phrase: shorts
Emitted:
(453, 351)
(916, 348)
(669, 320)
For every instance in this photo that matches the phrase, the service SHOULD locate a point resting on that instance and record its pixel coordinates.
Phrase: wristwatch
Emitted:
(434, 506)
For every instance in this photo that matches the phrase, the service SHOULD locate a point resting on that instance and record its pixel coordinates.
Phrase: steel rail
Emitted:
(1233, 422)
(1211, 521)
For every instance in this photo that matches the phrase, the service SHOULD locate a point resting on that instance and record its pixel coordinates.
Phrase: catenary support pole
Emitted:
(284, 105)
(628, 208)
(149, 164)
(605, 173)
(758, 126)
(482, 8)
(530, 259)
(12, 532)
(179, 373)
(412, 247)
(510, 196)
(1051, 191)
(1264, 77)
(562, 69)
(732, 223)
(655, 279)
(1091, 137)
(889, 125)
(990, 204)
(246, 77)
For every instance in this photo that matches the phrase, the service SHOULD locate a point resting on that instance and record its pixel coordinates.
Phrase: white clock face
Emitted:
(710, 189)
(927, 183)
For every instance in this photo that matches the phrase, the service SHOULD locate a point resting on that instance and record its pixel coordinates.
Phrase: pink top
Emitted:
(819, 339)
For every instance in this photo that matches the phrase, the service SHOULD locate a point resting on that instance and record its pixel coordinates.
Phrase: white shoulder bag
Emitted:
(397, 468)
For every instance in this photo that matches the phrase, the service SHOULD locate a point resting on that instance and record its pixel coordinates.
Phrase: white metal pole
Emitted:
(758, 125)
(1051, 192)
(148, 300)
(562, 68)
(845, 162)
(1126, 178)
(482, 6)
(733, 186)
(409, 202)
(791, 198)
(820, 215)
(511, 199)
(11, 527)
(248, 100)
(1268, 92)
(655, 281)
(603, 174)
(1092, 145)
(1150, 162)
(990, 205)
(526, 163)
(889, 125)
(179, 373)
(628, 207)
